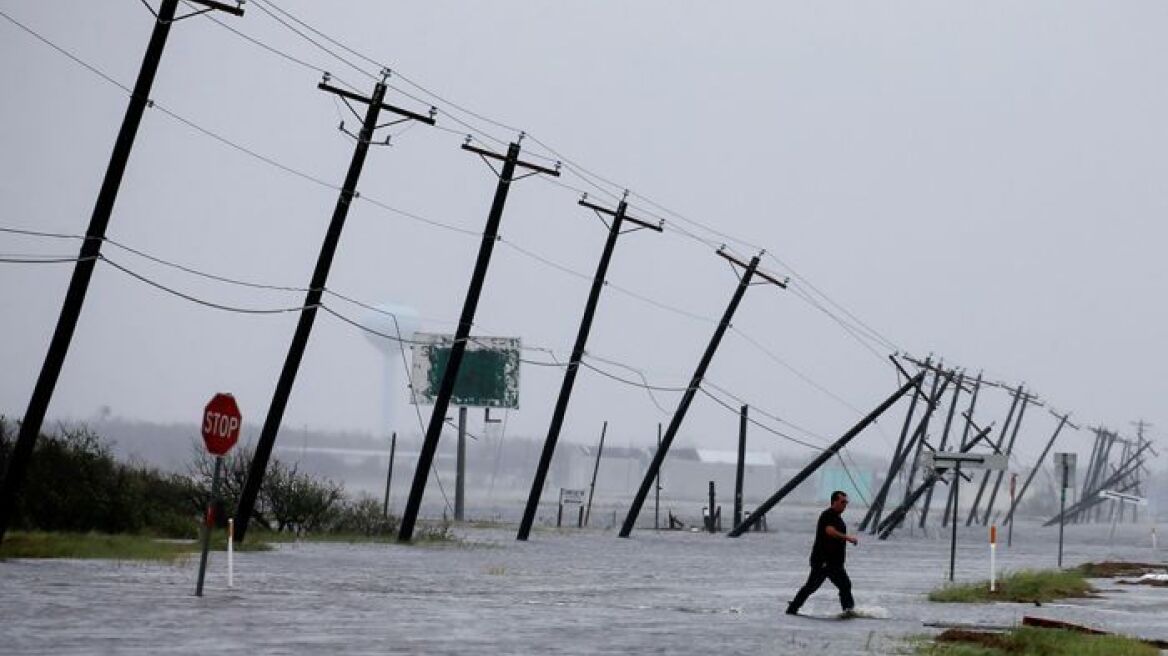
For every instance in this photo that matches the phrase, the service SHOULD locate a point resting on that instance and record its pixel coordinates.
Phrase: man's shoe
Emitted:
(848, 613)
(791, 610)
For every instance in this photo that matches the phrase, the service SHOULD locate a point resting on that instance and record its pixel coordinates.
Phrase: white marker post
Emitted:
(993, 554)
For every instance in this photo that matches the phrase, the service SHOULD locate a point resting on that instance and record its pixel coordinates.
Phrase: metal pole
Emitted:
(956, 501)
(595, 470)
(460, 477)
(1010, 528)
(42, 394)
(553, 435)
(687, 398)
(1062, 512)
(824, 456)
(328, 249)
(208, 525)
(657, 488)
(710, 515)
(742, 419)
(389, 473)
(458, 349)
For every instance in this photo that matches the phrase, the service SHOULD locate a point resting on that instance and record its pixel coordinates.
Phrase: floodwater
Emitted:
(563, 592)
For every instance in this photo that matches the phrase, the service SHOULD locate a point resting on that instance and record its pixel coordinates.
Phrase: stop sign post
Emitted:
(221, 424)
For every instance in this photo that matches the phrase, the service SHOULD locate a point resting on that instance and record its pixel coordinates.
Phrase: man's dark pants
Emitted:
(819, 572)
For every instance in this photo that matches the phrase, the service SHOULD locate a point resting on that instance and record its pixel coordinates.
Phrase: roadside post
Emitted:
(230, 552)
(993, 554)
(1065, 462)
(955, 460)
(221, 424)
(1010, 530)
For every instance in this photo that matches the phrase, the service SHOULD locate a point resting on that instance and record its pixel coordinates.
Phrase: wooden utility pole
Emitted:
(312, 299)
(46, 383)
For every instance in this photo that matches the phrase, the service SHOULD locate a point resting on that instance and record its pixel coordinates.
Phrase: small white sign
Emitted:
(1122, 498)
(570, 496)
(949, 459)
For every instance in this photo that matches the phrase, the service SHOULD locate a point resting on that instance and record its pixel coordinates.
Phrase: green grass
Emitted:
(102, 546)
(1030, 640)
(1022, 586)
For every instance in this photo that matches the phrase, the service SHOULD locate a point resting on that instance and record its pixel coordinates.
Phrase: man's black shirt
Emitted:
(827, 549)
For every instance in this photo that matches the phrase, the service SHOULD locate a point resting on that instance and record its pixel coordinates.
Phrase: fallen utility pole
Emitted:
(896, 517)
(985, 479)
(1037, 465)
(1027, 400)
(90, 252)
(465, 322)
(1087, 503)
(923, 431)
(619, 217)
(312, 299)
(944, 442)
(877, 505)
(918, 435)
(749, 271)
(823, 457)
(968, 414)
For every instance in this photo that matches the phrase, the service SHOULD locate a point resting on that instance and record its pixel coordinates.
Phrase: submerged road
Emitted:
(562, 592)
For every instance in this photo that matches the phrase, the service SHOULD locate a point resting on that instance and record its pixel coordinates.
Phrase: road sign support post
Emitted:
(209, 525)
(460, 468)
(953, 535)
(742, 419)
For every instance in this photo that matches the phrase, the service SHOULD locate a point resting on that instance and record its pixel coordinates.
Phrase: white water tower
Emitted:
(393, 320)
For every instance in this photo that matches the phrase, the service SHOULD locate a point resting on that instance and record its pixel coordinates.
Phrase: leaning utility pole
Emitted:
(823, 457)
(1027, 399)
(877, 504)
(998, 449)
(944, 442)
(742, 419)
(749, 271)
(42, 395)
(619, 216)
(324, 261)
(968, 414)
(462, 334)
(1037, 465)
(595, 471)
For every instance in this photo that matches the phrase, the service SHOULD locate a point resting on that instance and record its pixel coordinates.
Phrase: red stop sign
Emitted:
(221, 422)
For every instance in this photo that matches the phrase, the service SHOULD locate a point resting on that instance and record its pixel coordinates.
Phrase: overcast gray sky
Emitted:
(982, 181)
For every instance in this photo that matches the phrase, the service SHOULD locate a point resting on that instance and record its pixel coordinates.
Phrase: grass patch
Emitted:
(104, 546)
(1030, 640)
(1022, 586)
(1112, 569)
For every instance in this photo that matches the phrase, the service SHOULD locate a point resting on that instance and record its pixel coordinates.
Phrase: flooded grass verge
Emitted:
(1029, 640)
(1027, 586)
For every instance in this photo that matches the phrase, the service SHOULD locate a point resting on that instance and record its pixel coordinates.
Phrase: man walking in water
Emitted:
(827, 556)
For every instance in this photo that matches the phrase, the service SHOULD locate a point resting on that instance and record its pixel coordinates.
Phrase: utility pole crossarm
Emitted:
(761, 274)
(503, 158)
(429, 120)
(236, 10)
(604, 210)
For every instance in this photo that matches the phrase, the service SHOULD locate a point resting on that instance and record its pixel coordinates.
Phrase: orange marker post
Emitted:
(993, 553)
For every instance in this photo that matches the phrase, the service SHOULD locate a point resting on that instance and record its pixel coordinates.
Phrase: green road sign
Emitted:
(488, 377)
